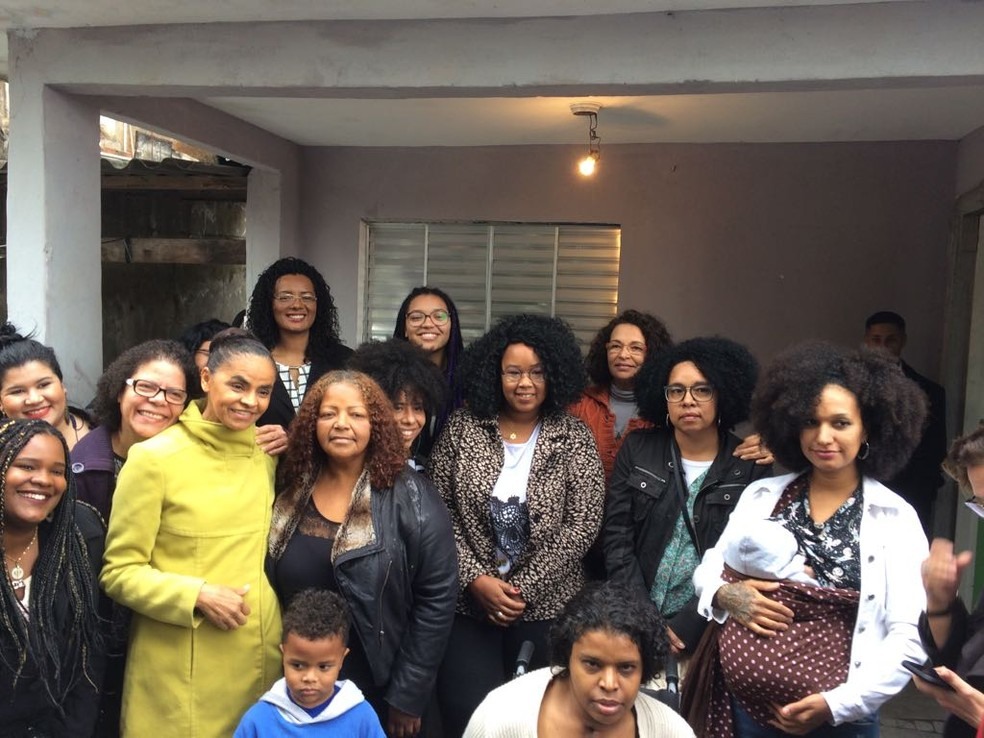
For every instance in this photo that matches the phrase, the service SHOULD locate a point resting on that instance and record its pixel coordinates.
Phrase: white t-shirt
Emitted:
(510, 515)
(693, 469)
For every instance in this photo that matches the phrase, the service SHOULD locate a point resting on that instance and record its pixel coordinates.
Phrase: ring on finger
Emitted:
(498, 614)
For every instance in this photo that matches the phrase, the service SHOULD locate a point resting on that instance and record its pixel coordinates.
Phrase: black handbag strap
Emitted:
(681, 487)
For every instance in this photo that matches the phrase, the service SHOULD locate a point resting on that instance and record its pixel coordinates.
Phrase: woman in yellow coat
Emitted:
(185, 550)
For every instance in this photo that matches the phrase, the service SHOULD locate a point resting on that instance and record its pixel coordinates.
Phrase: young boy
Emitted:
(308, 701)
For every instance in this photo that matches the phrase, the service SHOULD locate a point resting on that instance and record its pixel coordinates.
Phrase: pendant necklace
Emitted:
(17, 571)
(511, 435)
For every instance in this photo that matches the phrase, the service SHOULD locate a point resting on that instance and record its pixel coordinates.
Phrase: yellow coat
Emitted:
(192, 505)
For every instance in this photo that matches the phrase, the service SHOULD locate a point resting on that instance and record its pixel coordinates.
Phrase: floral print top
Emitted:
(833, 547)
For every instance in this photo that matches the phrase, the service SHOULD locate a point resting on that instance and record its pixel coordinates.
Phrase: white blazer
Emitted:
(893, 547)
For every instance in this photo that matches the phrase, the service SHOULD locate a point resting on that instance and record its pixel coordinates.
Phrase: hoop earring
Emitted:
(668, 421)
(864, 451)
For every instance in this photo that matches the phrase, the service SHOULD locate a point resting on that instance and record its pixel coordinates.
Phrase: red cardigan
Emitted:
(593, 409)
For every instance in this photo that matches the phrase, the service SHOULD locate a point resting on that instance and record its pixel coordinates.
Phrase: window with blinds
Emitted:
(491, 270)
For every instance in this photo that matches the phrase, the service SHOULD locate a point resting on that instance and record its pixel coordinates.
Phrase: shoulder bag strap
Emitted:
(681, 488)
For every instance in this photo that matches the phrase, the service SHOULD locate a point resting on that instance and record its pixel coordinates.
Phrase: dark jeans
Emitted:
(746, 727)
(481, 657)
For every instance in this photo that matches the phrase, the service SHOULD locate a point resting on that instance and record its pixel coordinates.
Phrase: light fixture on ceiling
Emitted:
(586, 166)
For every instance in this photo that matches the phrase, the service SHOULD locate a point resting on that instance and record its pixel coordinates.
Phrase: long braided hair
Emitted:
(57, 649)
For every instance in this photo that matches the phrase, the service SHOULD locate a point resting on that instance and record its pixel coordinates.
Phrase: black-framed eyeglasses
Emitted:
(700, 392)
(417, 317)
(150, 390)
(515, 376)
(285, 298)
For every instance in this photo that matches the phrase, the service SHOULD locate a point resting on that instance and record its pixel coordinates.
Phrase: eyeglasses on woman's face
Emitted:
(417, 317)
(515, 376)
(636, 350)
(150, 390)
(286, 298)
(700, 392)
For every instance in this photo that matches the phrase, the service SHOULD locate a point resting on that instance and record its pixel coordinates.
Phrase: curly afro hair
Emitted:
(893, 408)
(305, 458)
(324, 331)
(106, 405)
(397, 366)
(616, 609)
(554, 343)
(314, 614)
(653, 330)
(965, 452)
(729, 367)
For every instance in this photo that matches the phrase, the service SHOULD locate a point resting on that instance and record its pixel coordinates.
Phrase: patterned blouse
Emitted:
(673, 586)
(833, 547)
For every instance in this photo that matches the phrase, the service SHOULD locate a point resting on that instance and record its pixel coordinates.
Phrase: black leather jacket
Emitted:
(402, 588)
(643, 505)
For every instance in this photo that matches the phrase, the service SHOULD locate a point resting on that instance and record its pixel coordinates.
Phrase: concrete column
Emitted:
(54, 279)
(263, 224)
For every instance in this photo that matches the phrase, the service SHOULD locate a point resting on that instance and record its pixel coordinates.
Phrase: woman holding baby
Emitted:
(842, 420)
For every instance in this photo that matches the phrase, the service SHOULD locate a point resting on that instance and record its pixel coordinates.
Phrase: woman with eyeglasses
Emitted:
(674, 485)
(140, 394)
(525, 488)
(292, 312)
(185, 552)
(609, 406)
(32, 388)
(428, 319)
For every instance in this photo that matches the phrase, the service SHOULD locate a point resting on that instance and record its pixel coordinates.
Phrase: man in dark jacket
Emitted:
(919, 481)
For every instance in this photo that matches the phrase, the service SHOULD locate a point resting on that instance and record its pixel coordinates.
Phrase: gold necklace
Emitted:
(513, 435)
(16, 571)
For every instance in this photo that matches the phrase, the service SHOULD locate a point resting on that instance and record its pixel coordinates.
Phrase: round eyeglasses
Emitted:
(515, 376)
(150, 390)
(417, 317)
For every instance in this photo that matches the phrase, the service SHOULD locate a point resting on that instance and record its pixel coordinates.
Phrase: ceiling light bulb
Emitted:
(587, 166)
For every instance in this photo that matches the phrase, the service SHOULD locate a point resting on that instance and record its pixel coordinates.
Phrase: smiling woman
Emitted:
(140, 394)
(525, 488)
(31, 386)
(50, 647)
(185, 550)
(411, 381)
(614, 358)
(428, 319)
(352, 518)
(292, 312)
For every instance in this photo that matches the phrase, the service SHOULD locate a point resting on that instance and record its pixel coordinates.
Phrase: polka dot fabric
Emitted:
(812, 656)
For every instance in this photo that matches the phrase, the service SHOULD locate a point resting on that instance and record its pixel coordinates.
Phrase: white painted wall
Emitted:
(53, 232)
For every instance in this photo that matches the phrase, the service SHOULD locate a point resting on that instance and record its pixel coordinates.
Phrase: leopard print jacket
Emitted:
(565, 497)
